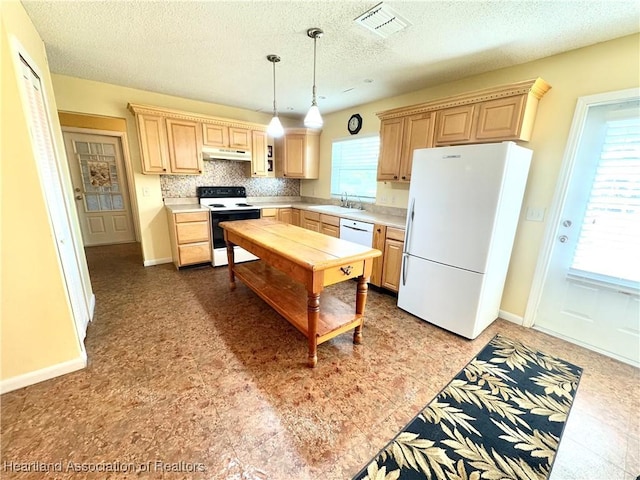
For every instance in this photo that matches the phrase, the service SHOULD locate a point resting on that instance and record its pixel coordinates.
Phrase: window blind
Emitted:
(609, 240)
(354, 166)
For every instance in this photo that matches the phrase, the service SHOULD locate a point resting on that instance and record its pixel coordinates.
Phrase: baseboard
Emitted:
(511, 317)
(47, 373)
(157, 261)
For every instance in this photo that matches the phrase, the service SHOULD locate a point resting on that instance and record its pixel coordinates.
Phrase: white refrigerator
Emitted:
(464, 206)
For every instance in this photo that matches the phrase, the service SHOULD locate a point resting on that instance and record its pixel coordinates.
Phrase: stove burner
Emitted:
(218, 205)
(243, 205)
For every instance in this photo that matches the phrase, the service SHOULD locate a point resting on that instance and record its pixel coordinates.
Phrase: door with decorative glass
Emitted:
(100, 188)
(591, 291)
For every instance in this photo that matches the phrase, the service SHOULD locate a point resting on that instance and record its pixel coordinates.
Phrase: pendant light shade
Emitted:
(313, 118)
(275, 127)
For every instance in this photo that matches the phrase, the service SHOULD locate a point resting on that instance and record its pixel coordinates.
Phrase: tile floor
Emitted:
(184, 372)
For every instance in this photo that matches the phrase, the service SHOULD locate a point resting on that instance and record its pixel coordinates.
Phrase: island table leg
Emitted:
(361, 300)
(231, 261)
(313, 315)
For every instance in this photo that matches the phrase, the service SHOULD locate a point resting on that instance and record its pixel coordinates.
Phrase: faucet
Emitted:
(344, 200)
(360, 207)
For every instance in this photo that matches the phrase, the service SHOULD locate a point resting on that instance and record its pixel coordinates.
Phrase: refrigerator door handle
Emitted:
(409, 224)
(404, 268)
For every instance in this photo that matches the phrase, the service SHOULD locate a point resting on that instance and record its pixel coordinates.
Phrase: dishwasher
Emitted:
(356, 232)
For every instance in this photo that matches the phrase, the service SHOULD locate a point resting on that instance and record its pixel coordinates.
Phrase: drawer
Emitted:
(330, 220)
(192, 217)
(268, 212)
(395, 234)
(192, 232)
(343, 272)
(311, 215)
(330, 230)
(194, 253)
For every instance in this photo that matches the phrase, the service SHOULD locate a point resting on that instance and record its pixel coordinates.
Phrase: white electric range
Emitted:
(226, 204)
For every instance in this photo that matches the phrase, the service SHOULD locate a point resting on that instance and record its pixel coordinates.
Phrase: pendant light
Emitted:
(313, 118)
(275, 127)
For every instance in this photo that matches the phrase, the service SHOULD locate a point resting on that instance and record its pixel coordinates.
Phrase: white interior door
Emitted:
(100, 188)
(591, 292)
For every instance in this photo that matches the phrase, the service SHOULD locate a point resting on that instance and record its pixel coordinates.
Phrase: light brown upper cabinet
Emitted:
(399, 137)
(215, 135)
(184, 139)
(494, 120)
(169, 146)
(298, 153)
(497, 114)
(504, 118)
(171, 141)
(454, 125)
(240, 138)
(259, 154)
(152, 133)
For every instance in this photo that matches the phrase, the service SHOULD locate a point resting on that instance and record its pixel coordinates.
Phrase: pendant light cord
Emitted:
(315, 41)
(275, 111)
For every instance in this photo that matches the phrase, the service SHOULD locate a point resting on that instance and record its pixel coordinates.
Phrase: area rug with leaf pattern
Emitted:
(501, 417)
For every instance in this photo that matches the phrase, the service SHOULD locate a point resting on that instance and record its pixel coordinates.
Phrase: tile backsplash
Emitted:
(228, 173)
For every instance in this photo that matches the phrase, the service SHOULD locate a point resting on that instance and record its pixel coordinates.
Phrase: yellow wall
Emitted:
(37, 327)
(85, 96)
(608, 66)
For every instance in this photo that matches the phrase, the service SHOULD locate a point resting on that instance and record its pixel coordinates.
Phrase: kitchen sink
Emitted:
(336, 209)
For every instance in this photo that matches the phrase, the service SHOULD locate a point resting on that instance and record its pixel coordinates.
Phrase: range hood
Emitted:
(215, 153)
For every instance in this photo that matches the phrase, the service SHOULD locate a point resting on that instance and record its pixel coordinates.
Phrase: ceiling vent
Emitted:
(382, 20)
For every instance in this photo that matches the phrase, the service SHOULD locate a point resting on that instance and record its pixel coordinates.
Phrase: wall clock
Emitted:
(355, 124)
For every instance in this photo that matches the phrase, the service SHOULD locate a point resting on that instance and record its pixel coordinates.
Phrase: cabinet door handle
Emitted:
(395, 176)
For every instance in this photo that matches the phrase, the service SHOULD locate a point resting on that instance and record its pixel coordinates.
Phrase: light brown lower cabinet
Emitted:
(295, 217)
(386, 270)
(268, 213)
(310, 220)
(285, 215)
(379, 235)
(190, 234)
(330, 225)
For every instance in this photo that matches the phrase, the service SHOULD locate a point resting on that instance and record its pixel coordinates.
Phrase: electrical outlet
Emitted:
(535, 214)
(146, 192)
(384, 199)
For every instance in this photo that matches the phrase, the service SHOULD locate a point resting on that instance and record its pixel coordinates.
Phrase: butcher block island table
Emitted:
(295, 265)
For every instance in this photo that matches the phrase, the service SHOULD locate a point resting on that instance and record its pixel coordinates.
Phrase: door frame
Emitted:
(128, 168)
(560, 195)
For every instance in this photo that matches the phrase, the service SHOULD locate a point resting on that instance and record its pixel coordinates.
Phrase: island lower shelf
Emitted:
(289, 299)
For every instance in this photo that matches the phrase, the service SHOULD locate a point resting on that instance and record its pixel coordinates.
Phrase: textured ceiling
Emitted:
(215, 51)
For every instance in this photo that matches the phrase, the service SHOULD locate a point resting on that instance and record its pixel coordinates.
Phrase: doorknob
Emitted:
(78, 197)
(563, 238)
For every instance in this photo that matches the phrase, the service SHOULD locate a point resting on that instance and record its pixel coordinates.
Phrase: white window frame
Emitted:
(354, 196)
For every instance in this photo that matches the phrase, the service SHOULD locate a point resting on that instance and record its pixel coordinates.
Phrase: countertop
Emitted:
(352, 214)
(186, 207)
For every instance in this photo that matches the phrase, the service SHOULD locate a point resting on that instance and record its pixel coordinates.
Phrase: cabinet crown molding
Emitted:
(138, 109)
(537, 87)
